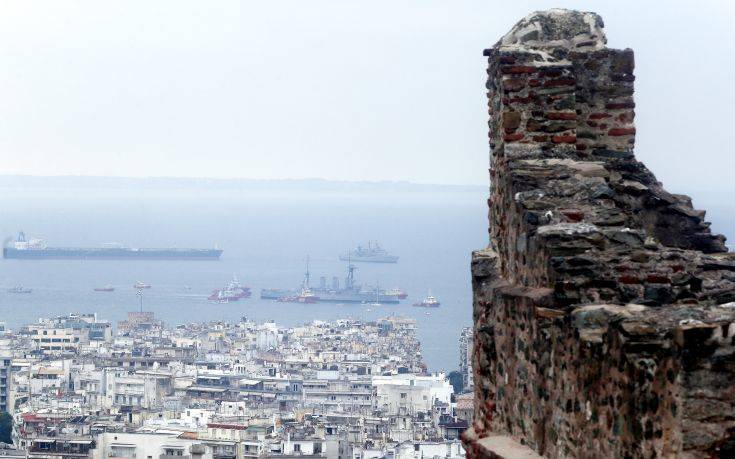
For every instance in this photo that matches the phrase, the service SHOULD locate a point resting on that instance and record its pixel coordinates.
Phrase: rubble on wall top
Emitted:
(556, 28)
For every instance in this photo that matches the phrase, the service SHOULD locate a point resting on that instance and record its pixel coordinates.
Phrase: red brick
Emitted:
(561, 116)
(559, 82)
(540, 138)
(591, 124)
(507, 60)
(658, 279)
(512, 137)
(573, 215)
(621, 131)
(599, 116)
(534, 82)
(629, 280)
(522, 100)
(569, 138)
(619, 105)
(553, 73)
(514, 84)
(581, 146)
(518, 69)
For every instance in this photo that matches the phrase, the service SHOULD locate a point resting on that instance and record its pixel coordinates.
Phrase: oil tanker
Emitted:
(36, 249)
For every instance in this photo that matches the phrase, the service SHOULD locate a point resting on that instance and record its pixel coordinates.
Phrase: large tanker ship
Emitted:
(36, 249)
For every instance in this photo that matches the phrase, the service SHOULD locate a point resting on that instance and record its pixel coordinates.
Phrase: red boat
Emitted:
(233, 292)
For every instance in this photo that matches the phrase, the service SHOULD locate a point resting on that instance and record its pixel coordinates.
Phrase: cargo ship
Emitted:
(36, 249)
(372, 254)
(350, 293)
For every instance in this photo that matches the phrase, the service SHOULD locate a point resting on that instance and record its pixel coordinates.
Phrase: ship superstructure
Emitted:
(36, 249)
(351, 292)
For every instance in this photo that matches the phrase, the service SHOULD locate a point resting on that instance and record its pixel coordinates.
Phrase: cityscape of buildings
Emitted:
(77, 387)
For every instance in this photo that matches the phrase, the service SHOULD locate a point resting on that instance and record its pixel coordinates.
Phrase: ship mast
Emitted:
(306, 275)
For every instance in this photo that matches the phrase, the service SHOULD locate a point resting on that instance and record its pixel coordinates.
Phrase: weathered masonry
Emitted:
(604, 306)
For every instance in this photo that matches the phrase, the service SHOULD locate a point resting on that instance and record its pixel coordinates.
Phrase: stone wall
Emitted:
(604, 307)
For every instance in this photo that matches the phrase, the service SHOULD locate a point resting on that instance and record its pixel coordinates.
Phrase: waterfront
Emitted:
(266, 237)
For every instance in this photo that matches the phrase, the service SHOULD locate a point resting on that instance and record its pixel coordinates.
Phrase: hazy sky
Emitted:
(369, 90)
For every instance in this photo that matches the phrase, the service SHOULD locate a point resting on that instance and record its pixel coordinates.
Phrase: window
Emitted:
(403, 395)
(297, 447)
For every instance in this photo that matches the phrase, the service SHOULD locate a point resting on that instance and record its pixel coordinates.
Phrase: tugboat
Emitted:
(306, 297)
(141, 285)
(372, 254)
(233, 292)
(106, 288)
(429, 302)
(19, 289)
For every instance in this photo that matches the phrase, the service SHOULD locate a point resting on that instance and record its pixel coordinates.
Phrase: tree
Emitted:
(456, 380)
(6, 427)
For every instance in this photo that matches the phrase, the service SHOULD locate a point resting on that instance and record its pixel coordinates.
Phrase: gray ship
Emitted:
(36, 249)
(350, 293)
(372, 254)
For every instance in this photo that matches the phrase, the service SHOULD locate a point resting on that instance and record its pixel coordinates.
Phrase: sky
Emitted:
(341, 90)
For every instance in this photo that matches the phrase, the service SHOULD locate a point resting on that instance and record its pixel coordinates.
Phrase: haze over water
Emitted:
(266, 235)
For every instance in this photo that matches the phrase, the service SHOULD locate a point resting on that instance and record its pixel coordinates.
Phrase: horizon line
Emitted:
(245, 179)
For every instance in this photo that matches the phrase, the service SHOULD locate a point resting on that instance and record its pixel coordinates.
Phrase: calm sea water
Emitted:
(266, 235)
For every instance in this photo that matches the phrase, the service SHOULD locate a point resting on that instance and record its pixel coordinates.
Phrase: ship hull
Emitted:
(370, 259)
(63, 253)
(331, 297)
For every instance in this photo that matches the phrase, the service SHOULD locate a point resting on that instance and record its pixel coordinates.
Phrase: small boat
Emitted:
(377, 298)
(306, 296)
(140, 285)
(106, 288)
(19, 289)
(429, 302)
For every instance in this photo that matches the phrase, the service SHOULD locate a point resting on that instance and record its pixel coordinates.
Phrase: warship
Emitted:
(36, 249)
(350, 293)
(372, 254)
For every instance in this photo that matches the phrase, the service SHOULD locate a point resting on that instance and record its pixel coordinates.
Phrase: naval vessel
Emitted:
(350, 293)
(372, 254)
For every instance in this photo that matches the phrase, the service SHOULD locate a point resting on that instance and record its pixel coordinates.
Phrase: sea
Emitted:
(267, 231)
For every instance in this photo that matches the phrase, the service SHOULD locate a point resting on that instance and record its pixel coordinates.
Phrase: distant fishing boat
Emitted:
(106, 288)
(140, 285)
(19, 289)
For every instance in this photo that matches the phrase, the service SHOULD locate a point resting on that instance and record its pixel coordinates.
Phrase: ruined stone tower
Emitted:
(604, 307)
